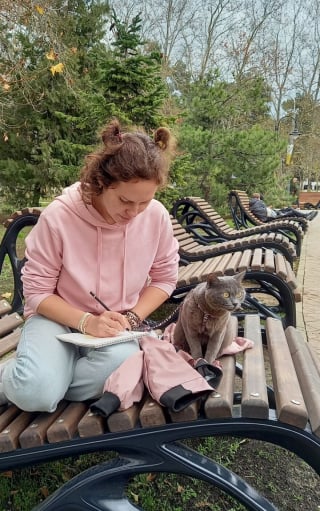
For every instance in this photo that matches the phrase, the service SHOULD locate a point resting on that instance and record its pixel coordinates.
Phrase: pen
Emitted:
(100, 301)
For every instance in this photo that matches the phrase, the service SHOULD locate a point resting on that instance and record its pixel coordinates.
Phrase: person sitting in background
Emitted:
(259, 208)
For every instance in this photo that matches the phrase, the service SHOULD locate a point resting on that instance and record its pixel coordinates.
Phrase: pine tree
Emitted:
(133, 86)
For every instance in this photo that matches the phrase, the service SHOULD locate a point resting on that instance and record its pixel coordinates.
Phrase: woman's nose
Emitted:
(133, 210)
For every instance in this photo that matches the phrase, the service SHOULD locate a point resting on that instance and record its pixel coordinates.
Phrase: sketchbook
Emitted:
(88, 341)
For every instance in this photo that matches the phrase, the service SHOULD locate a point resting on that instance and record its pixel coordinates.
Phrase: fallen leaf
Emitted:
(44, 491)
(58, 68)
(6, 296)
(135, 497)
(52, 55)
(39, 9)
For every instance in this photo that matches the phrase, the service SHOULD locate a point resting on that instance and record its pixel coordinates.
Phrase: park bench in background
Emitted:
(243, 218)
(309, 200)
(199, 218)
(281, 407)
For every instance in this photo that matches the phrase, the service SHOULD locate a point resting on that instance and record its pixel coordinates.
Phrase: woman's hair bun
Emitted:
(162, 137)
(112, 133)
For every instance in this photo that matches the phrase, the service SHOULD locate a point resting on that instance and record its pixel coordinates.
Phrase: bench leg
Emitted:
(103, 487)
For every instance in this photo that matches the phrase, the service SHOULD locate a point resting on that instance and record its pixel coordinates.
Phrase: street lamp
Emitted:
(295, 133)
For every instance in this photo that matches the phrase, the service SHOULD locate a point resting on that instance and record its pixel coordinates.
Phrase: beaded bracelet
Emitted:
(133, 319)
(83, 322)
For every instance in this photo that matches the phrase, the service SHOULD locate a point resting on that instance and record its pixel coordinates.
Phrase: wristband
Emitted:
(133, 319)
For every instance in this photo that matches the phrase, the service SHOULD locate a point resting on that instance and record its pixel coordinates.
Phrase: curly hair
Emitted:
(125, 156)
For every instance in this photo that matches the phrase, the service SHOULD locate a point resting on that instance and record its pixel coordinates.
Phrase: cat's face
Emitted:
(225, 292)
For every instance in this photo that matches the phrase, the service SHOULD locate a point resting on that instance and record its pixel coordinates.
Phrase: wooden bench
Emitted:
(282, 408)
(243, 218)
(309, 200)
(199, 218)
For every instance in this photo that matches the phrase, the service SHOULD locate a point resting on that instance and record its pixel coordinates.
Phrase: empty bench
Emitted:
(200, 219)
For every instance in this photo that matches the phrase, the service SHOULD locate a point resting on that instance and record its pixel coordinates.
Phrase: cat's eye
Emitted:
(226, 294)
(238, 295)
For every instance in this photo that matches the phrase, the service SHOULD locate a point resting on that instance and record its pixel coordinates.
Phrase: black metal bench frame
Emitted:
(207, 226)
(158, 448)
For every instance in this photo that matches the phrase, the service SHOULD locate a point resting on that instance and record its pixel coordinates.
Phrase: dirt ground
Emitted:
(280, 476)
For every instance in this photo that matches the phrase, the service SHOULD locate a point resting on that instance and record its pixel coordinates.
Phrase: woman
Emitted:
(107, 236)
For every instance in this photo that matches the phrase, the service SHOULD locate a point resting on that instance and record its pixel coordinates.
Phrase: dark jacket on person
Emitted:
(258, 208)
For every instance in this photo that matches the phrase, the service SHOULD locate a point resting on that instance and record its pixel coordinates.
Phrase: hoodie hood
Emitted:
(71, 198)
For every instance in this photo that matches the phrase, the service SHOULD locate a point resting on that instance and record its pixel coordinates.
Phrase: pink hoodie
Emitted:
(72, 251)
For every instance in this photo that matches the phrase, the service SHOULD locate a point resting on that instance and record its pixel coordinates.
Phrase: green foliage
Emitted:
(54, 125)
(221, 133)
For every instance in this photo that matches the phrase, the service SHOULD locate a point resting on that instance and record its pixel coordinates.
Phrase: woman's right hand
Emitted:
(107, 324)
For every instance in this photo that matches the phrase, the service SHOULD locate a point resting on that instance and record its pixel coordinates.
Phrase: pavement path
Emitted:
(308, 276)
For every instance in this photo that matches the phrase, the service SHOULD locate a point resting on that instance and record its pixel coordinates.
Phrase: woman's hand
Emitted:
(108, 324)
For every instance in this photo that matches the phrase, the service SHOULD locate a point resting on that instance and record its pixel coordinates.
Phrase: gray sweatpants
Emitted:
(47, 370)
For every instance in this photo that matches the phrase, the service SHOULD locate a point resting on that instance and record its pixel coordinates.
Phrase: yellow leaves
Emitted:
(6, 296)
(39, 9)
(58, 68)
(52, 55)
(4, 81)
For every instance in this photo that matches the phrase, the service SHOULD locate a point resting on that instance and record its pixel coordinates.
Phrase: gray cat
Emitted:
(204, 315)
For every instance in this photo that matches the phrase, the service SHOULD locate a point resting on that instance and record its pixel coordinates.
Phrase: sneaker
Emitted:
(312, 215)
(3, 398)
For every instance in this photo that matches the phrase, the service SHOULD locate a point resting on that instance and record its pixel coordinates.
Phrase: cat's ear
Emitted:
(212, 278)
(240, 276)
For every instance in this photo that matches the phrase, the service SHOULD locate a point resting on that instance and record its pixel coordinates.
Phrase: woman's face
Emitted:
(122, 201)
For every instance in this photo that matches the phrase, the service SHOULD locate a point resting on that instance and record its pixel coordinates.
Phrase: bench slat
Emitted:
(5, 307)
(9, 437)
(9, 323)
(65, 426)
(289, 400)
(9, 342)
(36, 433)
(124, 420)
(308, 376)
(254, 402)
(152, 413)
(91, 424)
(219, 404)
(190, 413)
